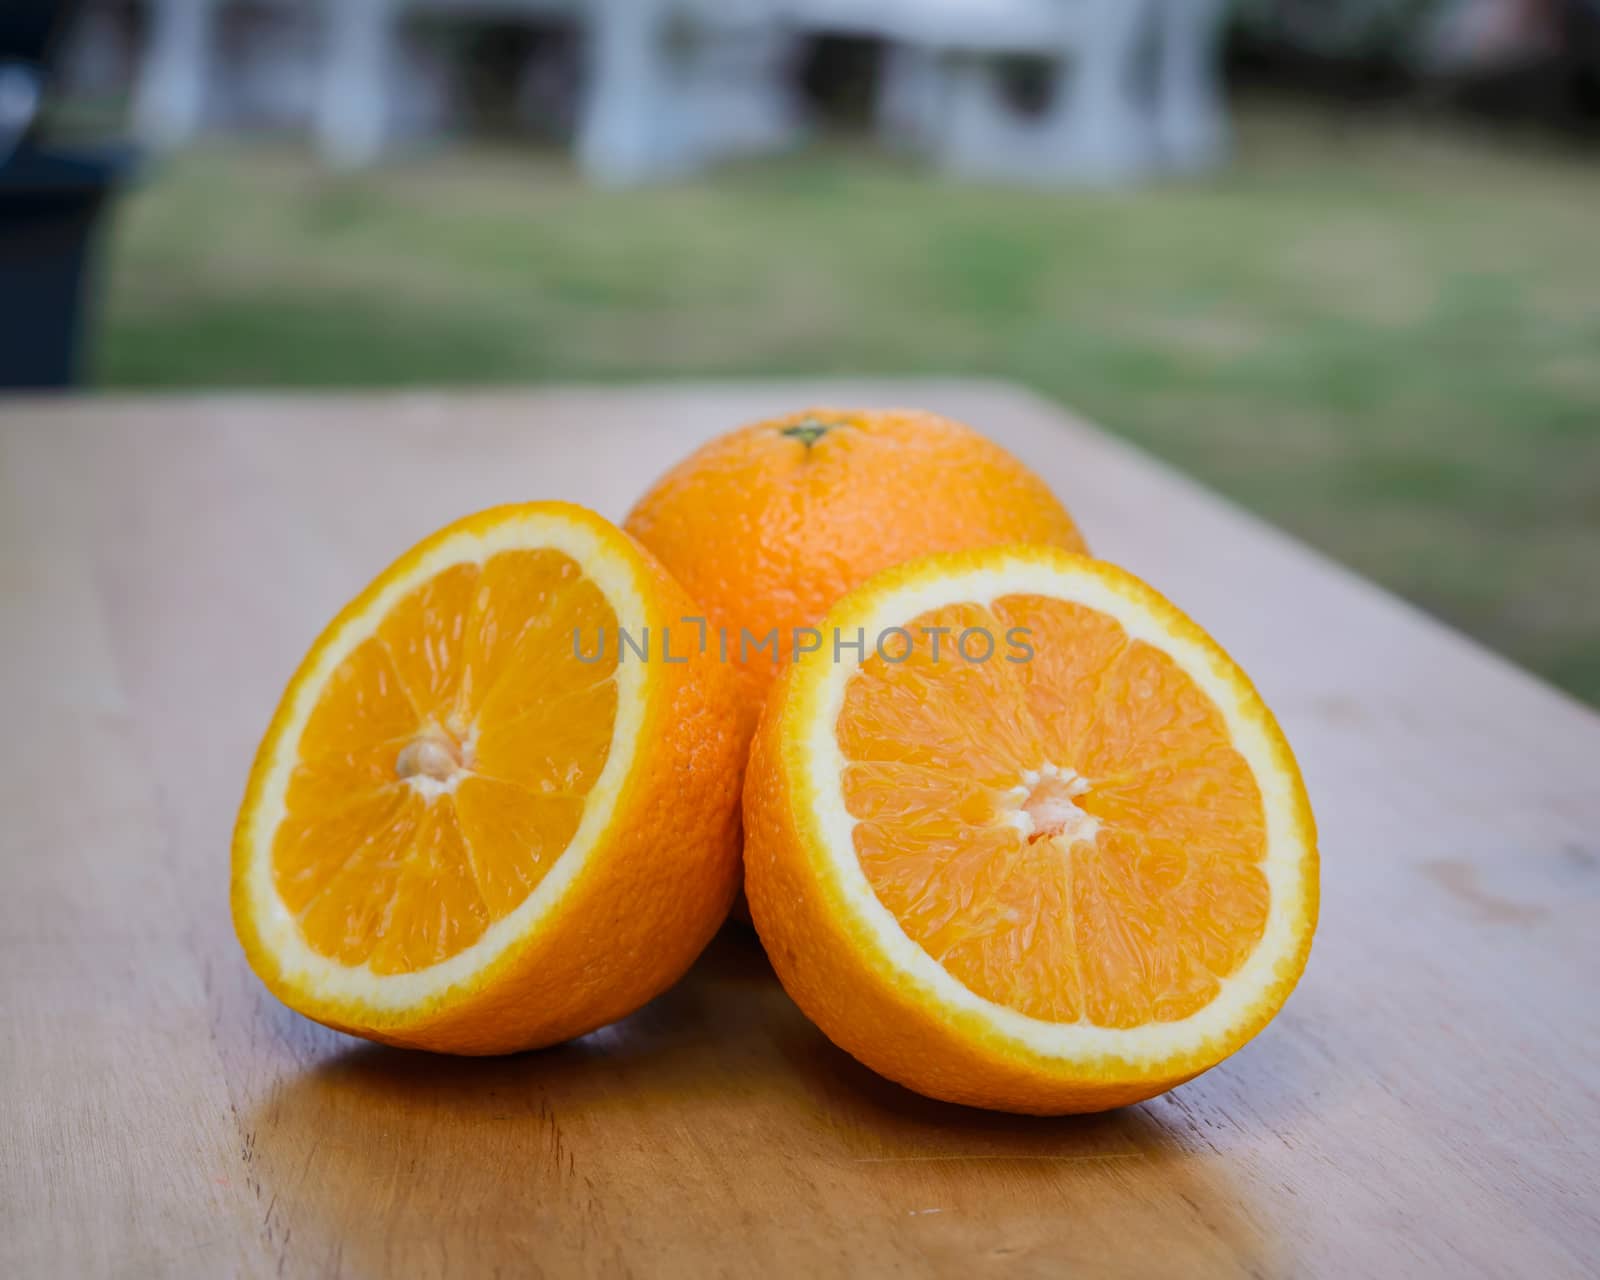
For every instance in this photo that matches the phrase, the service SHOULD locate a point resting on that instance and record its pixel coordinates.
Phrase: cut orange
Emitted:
(479, 822)
(1038, 847)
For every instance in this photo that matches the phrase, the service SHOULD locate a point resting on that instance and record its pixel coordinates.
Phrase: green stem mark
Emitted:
(808, 431)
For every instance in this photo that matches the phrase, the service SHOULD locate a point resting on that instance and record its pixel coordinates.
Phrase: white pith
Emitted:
(279, 931)
(1239, 998)
(437, 772)
(1056, 814)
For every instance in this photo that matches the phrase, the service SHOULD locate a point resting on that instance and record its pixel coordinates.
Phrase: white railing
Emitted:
(672, 85)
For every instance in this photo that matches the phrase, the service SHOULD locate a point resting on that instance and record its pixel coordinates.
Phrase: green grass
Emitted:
(1384, 339)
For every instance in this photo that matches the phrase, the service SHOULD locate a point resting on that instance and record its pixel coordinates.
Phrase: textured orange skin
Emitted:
(656, 887)
(767, 532)
(833, 968)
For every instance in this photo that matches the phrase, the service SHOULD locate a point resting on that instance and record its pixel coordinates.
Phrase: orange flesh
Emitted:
(444, 769)
(1072, 836)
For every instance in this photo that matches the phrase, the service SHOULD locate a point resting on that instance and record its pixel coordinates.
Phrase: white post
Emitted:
(1104, 136)
(630, 129)
(912, 97)
(981, 136)
(732, 80)
(352, 108)
(1191, 120)
(273, 76)
(1094, 129)
(170, 101)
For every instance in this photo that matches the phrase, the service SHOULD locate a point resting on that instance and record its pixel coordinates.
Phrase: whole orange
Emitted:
(768, 525)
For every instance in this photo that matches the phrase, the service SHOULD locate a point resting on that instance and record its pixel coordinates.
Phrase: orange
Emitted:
(768, 525)
(1065, 863)
(457, 834)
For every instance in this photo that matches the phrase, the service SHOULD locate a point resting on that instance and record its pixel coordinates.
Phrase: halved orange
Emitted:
(1037, 845)
(488, 815)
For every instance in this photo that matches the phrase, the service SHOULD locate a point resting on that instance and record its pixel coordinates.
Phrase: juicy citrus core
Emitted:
(431, 754)
(1045, 806)
(1059, 879)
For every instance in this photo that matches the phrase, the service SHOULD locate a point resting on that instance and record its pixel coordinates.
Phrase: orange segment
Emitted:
(435, 907)
(365, 704)
(554, 737)
(356, 873)
(329, 781)
(982, 901)
(317, 843)
(555, 743)
(919, 702)
(425, 635)
(1061, 680)
(1147, 714)
(500, 815)
(516, 593)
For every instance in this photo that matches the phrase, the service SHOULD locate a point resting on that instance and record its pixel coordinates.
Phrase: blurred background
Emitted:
(1339, 259)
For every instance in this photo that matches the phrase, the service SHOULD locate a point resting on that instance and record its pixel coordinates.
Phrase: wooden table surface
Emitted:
(1426, 1103)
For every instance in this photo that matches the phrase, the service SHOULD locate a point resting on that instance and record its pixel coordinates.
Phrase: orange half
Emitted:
(1039, 847)
(471, 813)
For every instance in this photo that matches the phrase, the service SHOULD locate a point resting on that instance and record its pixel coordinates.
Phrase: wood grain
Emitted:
(1426, 1104)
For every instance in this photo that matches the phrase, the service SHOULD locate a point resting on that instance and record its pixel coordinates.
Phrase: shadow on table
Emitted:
(714, 1127)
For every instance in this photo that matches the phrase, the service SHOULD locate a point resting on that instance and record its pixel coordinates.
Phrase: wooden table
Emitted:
(1426, 1104)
